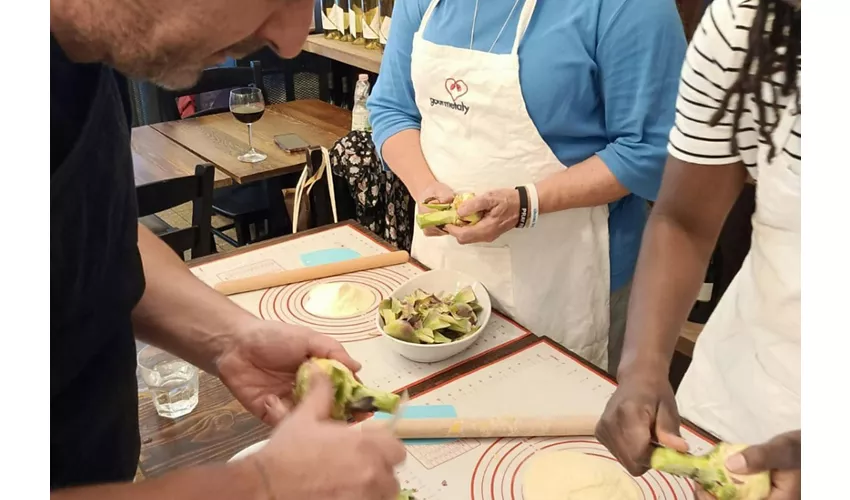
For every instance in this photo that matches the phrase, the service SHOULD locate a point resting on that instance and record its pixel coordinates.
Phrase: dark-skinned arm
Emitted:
(180, 313)
(680, 236)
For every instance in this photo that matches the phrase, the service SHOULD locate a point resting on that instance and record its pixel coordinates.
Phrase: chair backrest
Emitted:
(213, 79)
(198, 189)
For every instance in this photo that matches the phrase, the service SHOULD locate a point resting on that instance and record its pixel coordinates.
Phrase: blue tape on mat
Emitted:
(328, 256)
(424, 411)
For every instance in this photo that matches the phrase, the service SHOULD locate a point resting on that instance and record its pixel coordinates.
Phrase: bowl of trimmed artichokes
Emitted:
(434, 316)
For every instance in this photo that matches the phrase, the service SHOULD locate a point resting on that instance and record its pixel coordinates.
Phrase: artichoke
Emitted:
(710, 472)
(350, 395)
(427, 318)
(446, 214)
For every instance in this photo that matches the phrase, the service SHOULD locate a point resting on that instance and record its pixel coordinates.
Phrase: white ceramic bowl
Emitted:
(435, 282)
(254, 448)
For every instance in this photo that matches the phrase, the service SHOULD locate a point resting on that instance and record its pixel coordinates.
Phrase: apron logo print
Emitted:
(456, 88)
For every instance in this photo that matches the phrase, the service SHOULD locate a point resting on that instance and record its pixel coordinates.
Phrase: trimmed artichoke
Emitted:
(710, 472)
(349, 393)
(426, 318)
(446, 214)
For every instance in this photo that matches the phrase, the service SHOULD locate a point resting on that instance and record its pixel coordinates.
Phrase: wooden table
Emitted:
(220, 427)
(220, 138)
(158, 158)
(344, 52)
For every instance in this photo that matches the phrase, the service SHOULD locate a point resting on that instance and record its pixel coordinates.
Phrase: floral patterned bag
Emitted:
(383, 204)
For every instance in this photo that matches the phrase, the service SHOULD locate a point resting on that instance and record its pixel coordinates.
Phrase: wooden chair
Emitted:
(211, 80)
(246, 205)
(158, 196)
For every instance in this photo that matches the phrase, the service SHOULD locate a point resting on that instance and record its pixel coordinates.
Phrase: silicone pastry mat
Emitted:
(493, 469)
(382, 368)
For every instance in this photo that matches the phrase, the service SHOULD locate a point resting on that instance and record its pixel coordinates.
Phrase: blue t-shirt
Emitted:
(598, 77)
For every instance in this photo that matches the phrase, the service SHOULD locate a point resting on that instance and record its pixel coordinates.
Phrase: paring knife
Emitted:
(402, 405)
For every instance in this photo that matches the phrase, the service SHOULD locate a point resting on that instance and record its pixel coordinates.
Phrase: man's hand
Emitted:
(641, 410)
(436, 192)
(780, 456)
(311, 457)
(259, 365)
(500, 214)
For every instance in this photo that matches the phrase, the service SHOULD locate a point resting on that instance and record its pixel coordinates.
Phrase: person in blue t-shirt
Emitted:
(555, 114)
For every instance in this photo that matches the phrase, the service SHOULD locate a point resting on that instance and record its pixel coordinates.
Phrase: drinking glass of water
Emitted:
(173, 383)
(248, 106)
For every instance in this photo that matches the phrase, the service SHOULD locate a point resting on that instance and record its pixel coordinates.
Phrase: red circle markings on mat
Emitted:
(503, 461)
(286, 303)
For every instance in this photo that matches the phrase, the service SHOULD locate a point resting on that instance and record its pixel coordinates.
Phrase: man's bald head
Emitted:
(171, 41)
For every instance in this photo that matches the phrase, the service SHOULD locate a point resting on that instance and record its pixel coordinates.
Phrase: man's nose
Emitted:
(287, 28)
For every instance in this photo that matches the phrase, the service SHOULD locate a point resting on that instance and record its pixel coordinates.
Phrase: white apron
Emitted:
(744, 382)
(476, 137)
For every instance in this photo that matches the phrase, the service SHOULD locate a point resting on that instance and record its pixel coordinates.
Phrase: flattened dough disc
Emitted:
(569, 475)
(338, 300)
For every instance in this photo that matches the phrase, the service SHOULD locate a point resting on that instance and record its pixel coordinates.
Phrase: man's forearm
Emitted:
(587, 184)
(403, 154)
(179, 312)
(221, 482)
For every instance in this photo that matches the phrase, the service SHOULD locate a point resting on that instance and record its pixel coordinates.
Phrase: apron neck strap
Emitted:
(522, 24)
(427, 16)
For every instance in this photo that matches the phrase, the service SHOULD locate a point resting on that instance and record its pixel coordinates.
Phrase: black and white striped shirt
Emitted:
(715, 55)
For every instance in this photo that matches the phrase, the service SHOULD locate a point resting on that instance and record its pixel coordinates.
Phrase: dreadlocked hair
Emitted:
(772, 49)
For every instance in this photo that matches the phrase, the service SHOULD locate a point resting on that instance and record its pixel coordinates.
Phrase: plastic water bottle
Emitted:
(359, 112)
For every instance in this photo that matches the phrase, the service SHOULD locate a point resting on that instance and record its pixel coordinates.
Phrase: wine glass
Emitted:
(247, 106)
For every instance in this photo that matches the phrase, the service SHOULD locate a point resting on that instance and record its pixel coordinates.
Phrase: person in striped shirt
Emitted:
(737, 113)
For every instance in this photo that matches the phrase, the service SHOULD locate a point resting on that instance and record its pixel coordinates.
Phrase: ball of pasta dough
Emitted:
(569, 475)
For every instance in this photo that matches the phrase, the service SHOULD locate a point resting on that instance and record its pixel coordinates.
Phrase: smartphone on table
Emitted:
(291, 143)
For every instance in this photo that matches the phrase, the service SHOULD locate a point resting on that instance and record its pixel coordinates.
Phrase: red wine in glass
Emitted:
(248, 113)
(247, 105)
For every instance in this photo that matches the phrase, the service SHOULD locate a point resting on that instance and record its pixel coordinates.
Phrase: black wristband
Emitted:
(523, 207)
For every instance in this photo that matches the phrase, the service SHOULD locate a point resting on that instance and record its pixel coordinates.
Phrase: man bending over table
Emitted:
(111, 278)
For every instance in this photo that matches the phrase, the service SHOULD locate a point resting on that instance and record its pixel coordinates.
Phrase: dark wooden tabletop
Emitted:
(220, 138)
(157, 158)
(219, 427)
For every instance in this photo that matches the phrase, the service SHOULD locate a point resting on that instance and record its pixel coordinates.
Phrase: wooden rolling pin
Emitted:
(311, 273)
(438, 428)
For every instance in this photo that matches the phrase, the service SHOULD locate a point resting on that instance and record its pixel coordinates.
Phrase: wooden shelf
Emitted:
(344, 52)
